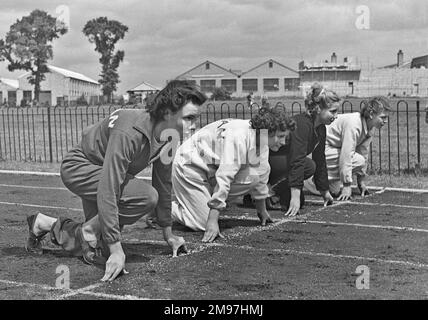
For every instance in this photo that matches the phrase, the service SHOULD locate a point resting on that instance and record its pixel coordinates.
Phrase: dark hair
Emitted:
(174, 96)
(319, 97)
(376, 105)
(273, 120)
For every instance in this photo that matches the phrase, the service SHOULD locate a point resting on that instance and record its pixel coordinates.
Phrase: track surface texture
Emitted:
(312, 256)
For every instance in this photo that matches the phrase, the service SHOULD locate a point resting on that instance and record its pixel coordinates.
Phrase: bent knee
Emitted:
(310, 167)
(152, 198)
(358, 161)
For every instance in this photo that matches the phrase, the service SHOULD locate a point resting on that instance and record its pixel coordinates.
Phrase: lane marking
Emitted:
(79, 291)
(56, 174)
(340, 256)
(115, 296)
(48, 174)
(73, 292)
(31, 187)
(363, 225)
(38, 206)
(388, 205)
(31, 173)
(32, 285)
(349, 224)
(290, 251)
(372, 204)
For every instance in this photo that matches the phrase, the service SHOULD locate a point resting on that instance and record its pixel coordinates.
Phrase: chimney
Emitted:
(334, 58)
(400, 57)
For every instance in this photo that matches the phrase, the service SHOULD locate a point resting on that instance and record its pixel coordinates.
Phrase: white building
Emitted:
(8, 88)
(61, 85)
(270, 77)
(140, 92)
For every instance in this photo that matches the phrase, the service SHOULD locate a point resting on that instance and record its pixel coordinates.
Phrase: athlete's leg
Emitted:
(192, 193)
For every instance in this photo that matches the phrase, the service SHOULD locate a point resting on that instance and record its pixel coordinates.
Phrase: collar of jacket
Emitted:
(311, 118)
(365, 128)
(145, 125)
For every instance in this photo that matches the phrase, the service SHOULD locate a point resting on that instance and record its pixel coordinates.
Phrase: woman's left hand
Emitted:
(328, 199)
(264, 217)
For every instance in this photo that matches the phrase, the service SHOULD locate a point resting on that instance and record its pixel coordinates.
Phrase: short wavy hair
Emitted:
(273, 120)
(173, 97)
(319, 97)
(377, 105)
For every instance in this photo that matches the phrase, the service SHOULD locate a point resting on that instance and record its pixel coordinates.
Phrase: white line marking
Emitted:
(339, 256)
(38, 206)
(362, 225)
(115, 296)
(400, 189)
(31, 173)
(48, 174)
(56, 174)
(387, 205)
(296, 252)
(32, 285)
(79, 291)
(372, 204)
(73, 292)
(243, 217)
(31, 187)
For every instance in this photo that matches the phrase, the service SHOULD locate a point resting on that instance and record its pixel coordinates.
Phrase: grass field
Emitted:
(313, 256)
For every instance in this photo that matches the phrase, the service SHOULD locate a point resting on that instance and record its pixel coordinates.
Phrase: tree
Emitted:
(105, 34)
(28, 47)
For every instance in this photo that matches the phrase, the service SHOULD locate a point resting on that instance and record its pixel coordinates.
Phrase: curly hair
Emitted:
(319, 98)
(376, 105)
(173, 97)
(273, 120)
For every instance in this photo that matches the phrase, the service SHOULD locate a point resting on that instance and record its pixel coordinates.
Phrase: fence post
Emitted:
(50, 134)
(418, 130)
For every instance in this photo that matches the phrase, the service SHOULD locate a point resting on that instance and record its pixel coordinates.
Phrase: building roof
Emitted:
(67, 73)
(10, 82)
(270, 60)
(405, 65)
(201, 64)
(144, 86)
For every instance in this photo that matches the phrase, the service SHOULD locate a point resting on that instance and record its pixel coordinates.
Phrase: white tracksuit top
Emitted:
(350, 134)
(225, 152)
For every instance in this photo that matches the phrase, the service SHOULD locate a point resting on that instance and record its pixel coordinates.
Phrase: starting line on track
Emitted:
(56, 174)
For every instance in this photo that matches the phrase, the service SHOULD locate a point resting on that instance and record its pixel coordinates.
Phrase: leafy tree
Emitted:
(28, 45)
(105, 34)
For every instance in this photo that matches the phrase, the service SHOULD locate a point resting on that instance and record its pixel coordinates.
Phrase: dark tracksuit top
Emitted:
(121, 144)
(307, 139)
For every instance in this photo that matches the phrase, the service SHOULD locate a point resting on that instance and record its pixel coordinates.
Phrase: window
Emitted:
(249, 85)
(192, 82)
(207, 85)
(271, 84)
(27, 96)
(207, 66)
(229, 84)
(291, 84)
(270, 64)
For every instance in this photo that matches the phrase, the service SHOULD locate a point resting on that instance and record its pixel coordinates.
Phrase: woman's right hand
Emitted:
(115, 263)
(294, 207)
(346, 194)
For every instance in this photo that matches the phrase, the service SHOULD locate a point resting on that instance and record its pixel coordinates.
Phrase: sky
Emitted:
(169, 37)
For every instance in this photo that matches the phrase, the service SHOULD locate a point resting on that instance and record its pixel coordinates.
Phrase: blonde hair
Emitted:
(319, 98)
